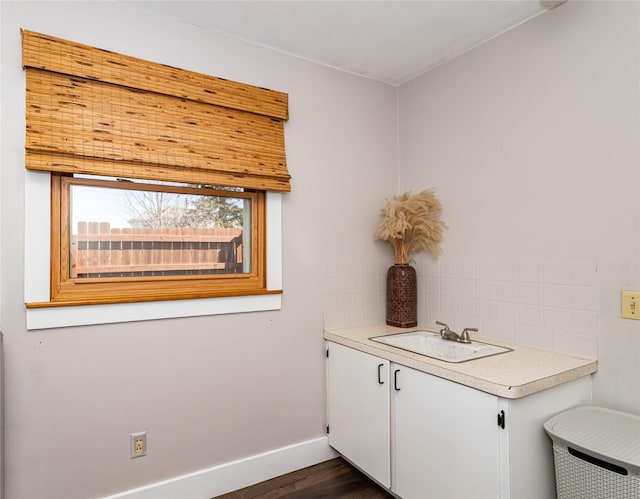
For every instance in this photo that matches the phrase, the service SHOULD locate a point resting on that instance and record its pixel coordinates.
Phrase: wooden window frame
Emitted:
(91, 291)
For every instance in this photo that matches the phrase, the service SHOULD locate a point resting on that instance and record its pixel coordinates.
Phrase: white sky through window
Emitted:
(101, 205)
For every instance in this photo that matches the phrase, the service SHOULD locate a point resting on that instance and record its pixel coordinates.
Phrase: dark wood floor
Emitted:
(332, 479)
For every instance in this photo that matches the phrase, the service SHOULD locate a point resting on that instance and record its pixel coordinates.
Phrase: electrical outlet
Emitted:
(138, 444)
(631, 305)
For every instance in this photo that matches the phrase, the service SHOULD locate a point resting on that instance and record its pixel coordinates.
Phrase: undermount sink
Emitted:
(432, 345)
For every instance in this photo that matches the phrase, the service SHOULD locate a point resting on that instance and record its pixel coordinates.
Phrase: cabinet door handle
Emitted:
(395, 380)
(380, 366)
(501, 419)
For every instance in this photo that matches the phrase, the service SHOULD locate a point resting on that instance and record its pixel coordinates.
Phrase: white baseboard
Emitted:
(235, 475)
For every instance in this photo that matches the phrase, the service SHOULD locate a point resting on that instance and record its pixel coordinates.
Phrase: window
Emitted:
(202, 152)
(122, 241)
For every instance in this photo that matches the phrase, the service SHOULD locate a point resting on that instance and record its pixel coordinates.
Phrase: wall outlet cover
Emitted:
(138, 444)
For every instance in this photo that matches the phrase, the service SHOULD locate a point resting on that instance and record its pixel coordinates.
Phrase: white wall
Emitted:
(208, 390)
(532, 141)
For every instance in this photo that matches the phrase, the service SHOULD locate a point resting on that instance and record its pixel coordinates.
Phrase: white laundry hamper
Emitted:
(596, 453)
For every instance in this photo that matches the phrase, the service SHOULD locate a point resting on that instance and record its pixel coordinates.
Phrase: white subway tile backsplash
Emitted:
(463, 321)
(343, 284)
(448, 287)
(486, 309)
(334, 320)
(583, 274)
(422, 315)
(485, 271)
(557, 273)
(529, 272)
(371, 282)
(354, 318)
(421, 296)
(432, 302)
(466, 270)
(496, 330)
(530, 293)
(330, 269)
(547, 305)
(370, 268)
(507, 271)
(530, 315)
(354, 293)
(330, 286)
(371, 301)
(345, 302)
(584, 298)
(556, 295)
(356, 268)
(557, 318)
(486, 290)
(507, 291)
(383, 268)
(583, 322)
(422, 287)
(467, 307)
(432, 317)
(534, 337)
(343, 269)
(448, 304)
(356, 283)
(432, 285)
(377, 316)
(432, 268)
(466, 288)
(576, 345)
(358, 301)
(507, 312)
(448, 269)
(330, 303)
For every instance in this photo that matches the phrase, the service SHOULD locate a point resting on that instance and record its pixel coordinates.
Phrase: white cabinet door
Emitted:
(445, 438)
(528, 471)
(358, 410)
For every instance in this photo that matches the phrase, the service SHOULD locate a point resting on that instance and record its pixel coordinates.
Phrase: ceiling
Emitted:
(389, 41)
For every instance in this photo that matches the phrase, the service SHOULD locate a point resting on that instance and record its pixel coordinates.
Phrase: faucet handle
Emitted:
(445, 329)
(464, 335)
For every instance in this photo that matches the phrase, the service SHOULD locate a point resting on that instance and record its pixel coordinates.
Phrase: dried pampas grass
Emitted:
(411, 223)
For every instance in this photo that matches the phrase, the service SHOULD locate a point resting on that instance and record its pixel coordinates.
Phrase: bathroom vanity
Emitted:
(425, 428)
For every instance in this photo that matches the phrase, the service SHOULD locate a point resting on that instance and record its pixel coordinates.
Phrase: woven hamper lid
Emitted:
(612, 436)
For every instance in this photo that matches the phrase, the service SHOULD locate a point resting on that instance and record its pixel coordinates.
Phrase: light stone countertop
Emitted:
(510, 375)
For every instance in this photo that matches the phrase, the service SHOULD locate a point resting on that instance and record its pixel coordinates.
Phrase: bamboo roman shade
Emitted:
(97, 112)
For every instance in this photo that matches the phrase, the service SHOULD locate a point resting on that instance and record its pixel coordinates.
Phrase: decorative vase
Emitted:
(402, 296)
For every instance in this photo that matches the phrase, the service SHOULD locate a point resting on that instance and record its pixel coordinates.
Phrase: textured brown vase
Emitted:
(402, 296)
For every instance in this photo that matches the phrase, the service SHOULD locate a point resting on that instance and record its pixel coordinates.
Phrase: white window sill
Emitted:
(52, 317)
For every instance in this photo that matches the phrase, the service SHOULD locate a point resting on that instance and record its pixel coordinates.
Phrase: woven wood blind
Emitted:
(97, 112)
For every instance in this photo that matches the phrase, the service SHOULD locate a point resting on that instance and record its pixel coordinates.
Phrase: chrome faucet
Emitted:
(464, 335)
(447, 334)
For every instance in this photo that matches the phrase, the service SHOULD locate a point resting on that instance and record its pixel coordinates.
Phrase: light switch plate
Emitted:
(631, 305)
